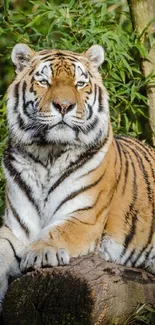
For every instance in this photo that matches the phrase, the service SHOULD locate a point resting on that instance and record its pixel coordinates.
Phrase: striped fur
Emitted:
(71, 187)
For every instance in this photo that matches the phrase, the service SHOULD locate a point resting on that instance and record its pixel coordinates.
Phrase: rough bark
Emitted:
(142, 12)
(88, 291)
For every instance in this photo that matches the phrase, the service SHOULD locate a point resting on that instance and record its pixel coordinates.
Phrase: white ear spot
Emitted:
(95, 54)
(21, 56)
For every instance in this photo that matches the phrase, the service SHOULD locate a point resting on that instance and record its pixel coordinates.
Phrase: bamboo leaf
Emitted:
(6, 6)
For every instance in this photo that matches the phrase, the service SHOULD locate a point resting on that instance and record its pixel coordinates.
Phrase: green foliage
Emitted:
(143, 315)
(76, 25)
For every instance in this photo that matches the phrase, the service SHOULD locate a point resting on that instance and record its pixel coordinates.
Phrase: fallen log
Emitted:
(88, 291)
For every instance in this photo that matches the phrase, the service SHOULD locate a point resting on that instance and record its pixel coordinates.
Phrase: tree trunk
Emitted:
(142, 12)
(88, 291)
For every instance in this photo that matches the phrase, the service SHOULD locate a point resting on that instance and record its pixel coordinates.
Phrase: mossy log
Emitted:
(88, 291)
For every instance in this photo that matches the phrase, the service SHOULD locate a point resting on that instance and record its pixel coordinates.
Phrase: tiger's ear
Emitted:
(95, 54)
(21, 56)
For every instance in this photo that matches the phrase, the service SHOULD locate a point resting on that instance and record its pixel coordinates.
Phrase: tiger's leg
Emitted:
(10, 256)
(142, 257)
(69, 238)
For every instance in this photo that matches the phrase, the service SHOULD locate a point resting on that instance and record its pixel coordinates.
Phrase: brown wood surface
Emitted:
(88, 291)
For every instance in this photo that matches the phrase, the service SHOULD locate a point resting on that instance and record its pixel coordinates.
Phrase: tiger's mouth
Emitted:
(62, 124)
(53, 123)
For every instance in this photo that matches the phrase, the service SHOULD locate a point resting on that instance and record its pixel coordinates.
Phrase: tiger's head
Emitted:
(57, 97)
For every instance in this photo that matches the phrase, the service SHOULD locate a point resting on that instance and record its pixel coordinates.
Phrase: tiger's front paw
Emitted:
(45, 257)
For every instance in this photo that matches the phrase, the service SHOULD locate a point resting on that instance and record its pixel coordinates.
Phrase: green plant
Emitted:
(143, 315)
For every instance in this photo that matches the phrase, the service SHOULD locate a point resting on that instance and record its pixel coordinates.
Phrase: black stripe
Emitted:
(32, 70)
(38, 74)
(148, 253)
(152, 228)
(81, 221)
(130, 235)
(120, 157)
(129, 258)
(71, 58)
(67, 55)
(36, 160)
(95, 94)
(23, 93)
(90, 74)
(83, 73)
(90, 206)
(48, 56)
(39, 131)
(98, 137)
(144, 150)
(146, 257)
(126, 170)
(135, 190)
(131, 211)
(84, 158)
(91, 107)
(100, 108)
(31, 89)
(48, 60)
(22, 125)
(16, 94)
(17, 217)
(142, 251)
(91, 126)
(135, 142)
(150, 197)
(90, 112)
(77, 192)
(15, 254)
(25, 104)
(8, 159)
(144, 172)
(89, 172)
(140, 254)
(105, 206)
(88, 92)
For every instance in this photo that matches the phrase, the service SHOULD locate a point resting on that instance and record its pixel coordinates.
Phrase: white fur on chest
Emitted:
(51, 174)
(70, 184)
(52, 188)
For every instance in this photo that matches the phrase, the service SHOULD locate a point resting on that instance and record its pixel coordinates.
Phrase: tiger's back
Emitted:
(129, 235)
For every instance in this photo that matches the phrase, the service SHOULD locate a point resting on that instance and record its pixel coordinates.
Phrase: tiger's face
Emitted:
(57, 97)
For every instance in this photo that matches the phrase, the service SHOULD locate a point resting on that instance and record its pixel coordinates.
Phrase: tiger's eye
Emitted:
(43, 82)
(80, 83)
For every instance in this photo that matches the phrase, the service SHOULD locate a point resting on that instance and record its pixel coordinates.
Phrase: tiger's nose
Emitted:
(64, 106)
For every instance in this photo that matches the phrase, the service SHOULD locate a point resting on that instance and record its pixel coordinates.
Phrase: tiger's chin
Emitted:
(62, 133)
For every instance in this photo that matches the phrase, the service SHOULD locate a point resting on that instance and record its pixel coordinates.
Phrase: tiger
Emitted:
(72, 187)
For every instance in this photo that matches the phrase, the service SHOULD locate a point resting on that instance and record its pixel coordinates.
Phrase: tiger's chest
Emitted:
(55, 186)
(46, 189)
